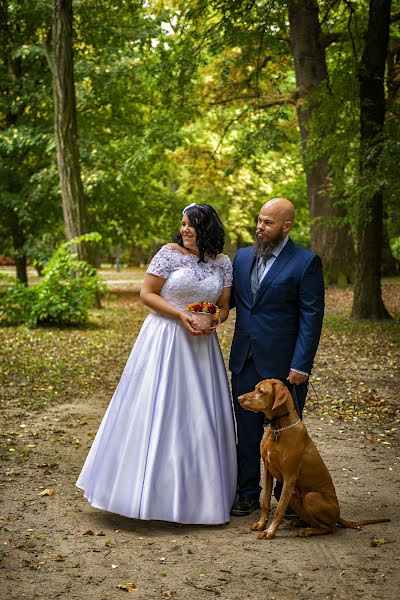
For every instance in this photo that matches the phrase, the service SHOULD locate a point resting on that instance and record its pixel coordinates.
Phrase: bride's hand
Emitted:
(188, 324)
(214, 324)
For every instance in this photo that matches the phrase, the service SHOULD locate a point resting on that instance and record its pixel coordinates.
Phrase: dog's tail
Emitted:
(355, 524)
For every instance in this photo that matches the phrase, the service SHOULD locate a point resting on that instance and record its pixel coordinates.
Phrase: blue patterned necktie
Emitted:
(257, 272)
(261, 267)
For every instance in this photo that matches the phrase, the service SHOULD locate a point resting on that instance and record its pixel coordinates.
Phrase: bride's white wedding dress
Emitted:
(166, 446)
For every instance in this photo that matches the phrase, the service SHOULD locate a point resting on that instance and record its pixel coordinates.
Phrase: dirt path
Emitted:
(59, 547)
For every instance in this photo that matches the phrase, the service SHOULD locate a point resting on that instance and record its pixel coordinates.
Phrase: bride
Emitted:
(166, 446)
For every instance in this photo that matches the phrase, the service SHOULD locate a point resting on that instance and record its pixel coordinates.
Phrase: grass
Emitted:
(49, 365)
(45, 366)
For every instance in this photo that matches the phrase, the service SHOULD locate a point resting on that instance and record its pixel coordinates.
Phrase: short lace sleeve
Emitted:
(162, 263)
(227, 268)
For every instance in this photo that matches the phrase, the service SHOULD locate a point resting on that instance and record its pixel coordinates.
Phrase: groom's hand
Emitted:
(296, 378)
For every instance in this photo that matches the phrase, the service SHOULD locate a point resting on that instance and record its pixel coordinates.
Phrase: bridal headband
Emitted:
(191, 206)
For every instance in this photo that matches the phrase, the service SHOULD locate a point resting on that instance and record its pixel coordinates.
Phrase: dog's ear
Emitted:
(280, 394)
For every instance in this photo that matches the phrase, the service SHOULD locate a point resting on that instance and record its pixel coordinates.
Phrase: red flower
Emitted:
(203, 306)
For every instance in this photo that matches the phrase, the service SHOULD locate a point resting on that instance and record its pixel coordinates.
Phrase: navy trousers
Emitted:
(250, 429)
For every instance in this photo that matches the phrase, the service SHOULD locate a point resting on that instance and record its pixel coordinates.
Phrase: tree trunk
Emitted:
(72, 194)
(20, 266)
(19, 254)
(13, 65)
(368, 303)
(390, 266)
(328, 238)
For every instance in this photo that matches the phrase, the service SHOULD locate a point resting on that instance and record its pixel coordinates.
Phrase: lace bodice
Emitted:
(188, 280)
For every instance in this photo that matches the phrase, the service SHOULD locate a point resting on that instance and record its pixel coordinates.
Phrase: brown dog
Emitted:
(290, 455)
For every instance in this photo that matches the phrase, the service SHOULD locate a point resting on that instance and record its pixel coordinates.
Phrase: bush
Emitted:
(16, 304)
(68, 289)
(395, 246)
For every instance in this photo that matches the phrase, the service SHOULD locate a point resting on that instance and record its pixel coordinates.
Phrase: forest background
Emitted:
(148, 106)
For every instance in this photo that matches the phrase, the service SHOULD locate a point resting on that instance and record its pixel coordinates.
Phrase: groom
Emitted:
(278, 291)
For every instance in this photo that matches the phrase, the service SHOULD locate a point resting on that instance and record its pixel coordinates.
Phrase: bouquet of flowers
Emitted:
(203, 312)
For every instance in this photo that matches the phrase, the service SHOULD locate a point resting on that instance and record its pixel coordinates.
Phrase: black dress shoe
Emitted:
(245, 506)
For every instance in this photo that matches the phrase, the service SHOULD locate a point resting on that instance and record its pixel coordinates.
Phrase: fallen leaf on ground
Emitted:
(47, 492)
(127, 587)
(378, 542)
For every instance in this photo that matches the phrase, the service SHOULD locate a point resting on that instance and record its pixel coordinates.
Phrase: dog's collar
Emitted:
(276, 419)
(276, 432)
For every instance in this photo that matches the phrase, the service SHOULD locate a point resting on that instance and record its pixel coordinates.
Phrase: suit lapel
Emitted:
(244, 265)
(279, 263)
(247, 274)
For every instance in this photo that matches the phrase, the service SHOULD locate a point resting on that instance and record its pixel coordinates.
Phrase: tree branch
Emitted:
(268, 103)
(227, 127)
(46, 46)
(278, 102)
(330, 38)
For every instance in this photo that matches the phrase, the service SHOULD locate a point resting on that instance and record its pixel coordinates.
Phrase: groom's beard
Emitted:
(264, 249)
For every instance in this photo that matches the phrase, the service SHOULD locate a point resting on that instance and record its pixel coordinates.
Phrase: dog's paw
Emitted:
(303, 532)
(258, 526)
(309, 531)
(293, 523)
(266, 535)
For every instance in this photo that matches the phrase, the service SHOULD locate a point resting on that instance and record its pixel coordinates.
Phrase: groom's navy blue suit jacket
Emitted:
(281, 327)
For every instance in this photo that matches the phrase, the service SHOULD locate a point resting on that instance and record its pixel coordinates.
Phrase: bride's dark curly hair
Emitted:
(209, 229)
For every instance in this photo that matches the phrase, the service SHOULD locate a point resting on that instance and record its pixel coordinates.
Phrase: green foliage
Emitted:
(180, 102)
(335, 128)
(29, 206)
(16, 304)
(68, 289)
(395, 245)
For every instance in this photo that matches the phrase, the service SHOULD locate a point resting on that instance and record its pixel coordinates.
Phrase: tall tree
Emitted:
(391, 266)
(29, 213)
(65, 122)
(257, 91)
(368, 303)
(328, 238)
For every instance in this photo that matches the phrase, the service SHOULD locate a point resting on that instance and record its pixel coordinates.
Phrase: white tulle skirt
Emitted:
(166, 446)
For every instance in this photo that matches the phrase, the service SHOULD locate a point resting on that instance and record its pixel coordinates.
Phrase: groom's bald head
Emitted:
(274, 223)
(281, 208)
